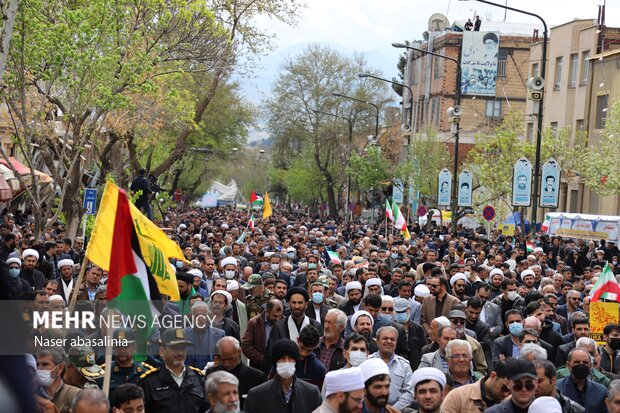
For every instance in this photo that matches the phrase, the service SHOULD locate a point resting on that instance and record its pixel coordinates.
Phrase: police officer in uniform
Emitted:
(124, 369)
(257, 297)
(174, 387)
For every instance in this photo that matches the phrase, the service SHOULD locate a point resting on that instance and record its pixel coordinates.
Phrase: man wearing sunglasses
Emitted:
(522, 384)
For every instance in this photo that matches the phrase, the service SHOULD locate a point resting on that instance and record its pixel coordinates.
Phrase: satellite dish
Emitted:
(438, 23)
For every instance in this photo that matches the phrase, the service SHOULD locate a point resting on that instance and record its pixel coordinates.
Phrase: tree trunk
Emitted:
(72, 204)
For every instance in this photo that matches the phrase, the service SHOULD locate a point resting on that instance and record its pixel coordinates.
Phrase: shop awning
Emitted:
(24, 170)
(10, 178)
(6, 194)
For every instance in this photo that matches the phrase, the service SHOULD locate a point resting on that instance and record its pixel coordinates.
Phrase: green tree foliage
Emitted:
(305, 83)
(427, 156)
(370, 170)
(600, 161)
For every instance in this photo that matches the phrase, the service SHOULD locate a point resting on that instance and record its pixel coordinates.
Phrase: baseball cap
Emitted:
(518, 369)
(254, 280)
(456, 314)
(83, 359)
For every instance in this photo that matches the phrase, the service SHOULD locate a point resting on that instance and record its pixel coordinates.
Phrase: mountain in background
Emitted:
(257, 87)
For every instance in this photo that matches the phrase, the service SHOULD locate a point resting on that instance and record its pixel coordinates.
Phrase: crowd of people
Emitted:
(322, 315)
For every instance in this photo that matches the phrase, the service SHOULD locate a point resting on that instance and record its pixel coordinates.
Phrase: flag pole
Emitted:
(108, 364)
(76, 287)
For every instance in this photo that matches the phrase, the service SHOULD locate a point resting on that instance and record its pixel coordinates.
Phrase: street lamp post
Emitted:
(365, 75)
(340, 95)
(350, 124)
(457, 102)
(539, 124)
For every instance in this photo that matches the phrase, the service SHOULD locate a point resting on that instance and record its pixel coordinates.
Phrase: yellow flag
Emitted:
(155, 246)
(406, 234)
(266, 206)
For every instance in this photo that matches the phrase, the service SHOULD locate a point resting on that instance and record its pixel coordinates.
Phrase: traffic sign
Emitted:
(90, 201)
(488, 213)
(422, 211)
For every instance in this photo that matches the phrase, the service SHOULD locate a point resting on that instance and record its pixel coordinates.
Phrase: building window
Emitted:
(554, 128)
(558, 73)
(574, 67)
(534, 69)
(579, 127)
(601, 111)
(502, 61)
(494, 109)
(529, 133)
(437, 67)
(585, 67)
(433, 111)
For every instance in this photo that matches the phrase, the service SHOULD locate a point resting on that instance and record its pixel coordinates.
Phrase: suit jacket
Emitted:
(502, 345)
(431, 360)
(416, 311)
(322, 311)
(562, 353)
(428, 308)
(416, 339)
(347, 307)
(267, 398)
(493, 318)
(253, 343)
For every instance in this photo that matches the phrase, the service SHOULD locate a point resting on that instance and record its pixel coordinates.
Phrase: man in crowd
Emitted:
(51, 364)
(174, 387)
(284, 392)
(438, 358)
(522, 383)
(377, 382)
(428, 385)
(344, 391)
(578, 387)
(547, 386)
(330, 349)
(481, 395)
(222, 390)
(254, 342)
(438, 303)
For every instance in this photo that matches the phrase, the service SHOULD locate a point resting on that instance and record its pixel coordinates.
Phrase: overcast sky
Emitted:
(365, 25)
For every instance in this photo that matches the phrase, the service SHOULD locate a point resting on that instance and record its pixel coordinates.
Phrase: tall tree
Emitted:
(305, 84)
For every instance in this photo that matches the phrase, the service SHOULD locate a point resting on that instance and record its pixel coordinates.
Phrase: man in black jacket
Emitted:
(229, 352)
(414, 334)
(141, 183)
(284, 393)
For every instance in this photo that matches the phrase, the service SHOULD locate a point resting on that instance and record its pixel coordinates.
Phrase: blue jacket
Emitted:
(593, 399)
(203, 349)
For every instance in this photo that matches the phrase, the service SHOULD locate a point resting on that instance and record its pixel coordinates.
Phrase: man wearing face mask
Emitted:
(547, 387)
(229, 268)
(51, 364)
(317, 310)
(509, 299)
(284, 393)
(578, 387)
(509, 346)
(610, 351)
(415, 336)
(16, 285)
(355, 350)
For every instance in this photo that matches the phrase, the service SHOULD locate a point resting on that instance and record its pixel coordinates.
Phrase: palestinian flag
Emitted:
(131, 287)
(388, 211)
(256, 200)
(334, 257)
(251, 223)
(606, 286)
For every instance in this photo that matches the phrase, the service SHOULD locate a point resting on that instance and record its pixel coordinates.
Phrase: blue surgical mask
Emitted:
(515, 329)
(311, 266)
(290, 254)
(315, 252)
(394, 256)
(14, 272)
(401, 318)
(317, 298)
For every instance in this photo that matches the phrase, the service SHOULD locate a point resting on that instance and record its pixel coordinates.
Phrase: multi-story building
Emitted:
(579, 84)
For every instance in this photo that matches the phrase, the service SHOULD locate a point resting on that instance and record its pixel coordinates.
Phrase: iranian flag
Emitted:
(606, 286)
(131, 287)
(529, 247)
(256, 200)
(399, 220)
(334, 257)
(388, 211)
(545, 225)
(251, 223)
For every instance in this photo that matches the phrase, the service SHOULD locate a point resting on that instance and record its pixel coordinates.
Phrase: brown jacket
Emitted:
(82, 293)
(253, 342)
(465, 399)
(64, 396)
(428, 308)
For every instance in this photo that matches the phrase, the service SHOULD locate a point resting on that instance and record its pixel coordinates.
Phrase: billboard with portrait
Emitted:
(479, 63)
(444, 189)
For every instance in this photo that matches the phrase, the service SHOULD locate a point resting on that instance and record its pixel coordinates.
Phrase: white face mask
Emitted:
(44, 377)
(229, 274)
(275, 267)
(357, 357)
(512, 295)
(285, 370)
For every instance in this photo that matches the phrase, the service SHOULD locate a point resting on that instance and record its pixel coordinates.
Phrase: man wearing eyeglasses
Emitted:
(457, 320)
(459, 355)
(439, 302)
(522, 384)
